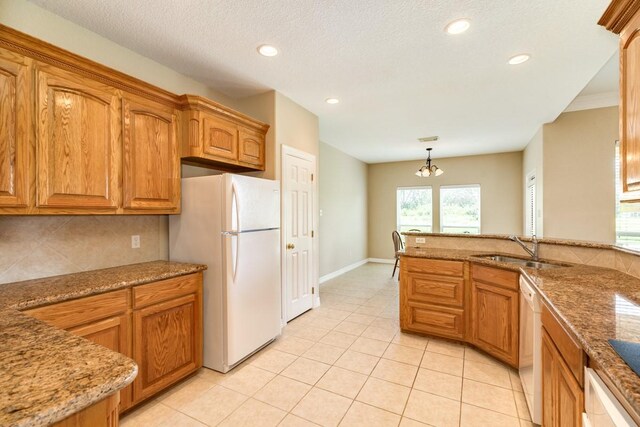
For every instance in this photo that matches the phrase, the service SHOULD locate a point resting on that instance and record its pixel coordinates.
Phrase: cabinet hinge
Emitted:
(312, 234)
(311, 177)
(313, 291)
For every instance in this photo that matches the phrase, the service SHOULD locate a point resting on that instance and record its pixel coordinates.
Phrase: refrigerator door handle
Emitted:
(235, 209)
(231, 243)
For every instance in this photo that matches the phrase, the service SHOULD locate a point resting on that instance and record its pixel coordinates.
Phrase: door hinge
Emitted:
(313, 291)
(312, 234)
(311, 177)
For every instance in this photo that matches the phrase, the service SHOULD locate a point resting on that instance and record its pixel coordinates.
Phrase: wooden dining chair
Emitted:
(397, 246)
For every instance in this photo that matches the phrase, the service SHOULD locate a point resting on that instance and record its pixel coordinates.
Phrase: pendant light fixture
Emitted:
(428, 169)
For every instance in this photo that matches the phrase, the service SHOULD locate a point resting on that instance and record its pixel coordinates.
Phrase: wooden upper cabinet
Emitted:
(15, 120)
(151, 164)
(77, 141)
(630, 107)
(251, 148)
(623, 17)
(219, 137)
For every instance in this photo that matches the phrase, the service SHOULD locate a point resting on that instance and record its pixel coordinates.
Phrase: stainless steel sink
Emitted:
(523, 262)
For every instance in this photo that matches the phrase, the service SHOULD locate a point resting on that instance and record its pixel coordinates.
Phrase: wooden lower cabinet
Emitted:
(494, 321)
(562, 396)
(114, 334)
(462, 301)
(100, 414)
(159, 325)
(442, 321)
(432, 297)
(166, 343)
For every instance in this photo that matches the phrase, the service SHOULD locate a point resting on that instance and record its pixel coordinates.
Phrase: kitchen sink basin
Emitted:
(523, 262)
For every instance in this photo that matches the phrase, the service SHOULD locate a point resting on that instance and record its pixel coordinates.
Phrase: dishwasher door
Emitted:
(530, 363)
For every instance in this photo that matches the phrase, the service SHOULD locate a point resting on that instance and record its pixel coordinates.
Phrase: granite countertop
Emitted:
(549, 241)
(48, 374)
(594, 303)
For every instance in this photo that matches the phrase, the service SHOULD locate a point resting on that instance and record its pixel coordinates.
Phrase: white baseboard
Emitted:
(382, 260)
(343, 270)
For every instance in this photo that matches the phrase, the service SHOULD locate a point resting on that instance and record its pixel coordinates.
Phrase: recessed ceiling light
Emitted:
(519, 59)
(458, 26)
(267, 50)
(332, 100)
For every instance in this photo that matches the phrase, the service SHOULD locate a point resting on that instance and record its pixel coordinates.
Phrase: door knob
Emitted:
(290, 246)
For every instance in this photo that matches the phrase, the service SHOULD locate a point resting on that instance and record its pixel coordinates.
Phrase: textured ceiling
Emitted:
(607, 80)
(398, 75)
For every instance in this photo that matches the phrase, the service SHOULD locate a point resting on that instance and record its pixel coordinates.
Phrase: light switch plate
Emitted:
(420, 240)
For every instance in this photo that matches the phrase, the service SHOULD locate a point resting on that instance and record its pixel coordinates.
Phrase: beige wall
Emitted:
(532, 163)
(40, 246)
(499, 176)
(343, 203)
(295, 127)
(579, 175)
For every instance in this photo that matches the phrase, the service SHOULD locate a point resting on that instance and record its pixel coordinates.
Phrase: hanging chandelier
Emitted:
(428, 169)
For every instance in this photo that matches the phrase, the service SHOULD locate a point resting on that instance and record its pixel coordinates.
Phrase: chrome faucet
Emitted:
(532, 252)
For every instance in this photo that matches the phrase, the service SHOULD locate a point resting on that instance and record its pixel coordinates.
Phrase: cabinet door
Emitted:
(494, 313)
(562, 396)
(548, 393)
(219, 137)
(112, 333)
(77, 141)
(569, 397)
(251, 149)
(630, 106)
(166, 343)
(14, 129)
(151, 167)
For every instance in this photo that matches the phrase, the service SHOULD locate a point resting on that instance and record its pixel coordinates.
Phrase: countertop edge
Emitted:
(78, 404)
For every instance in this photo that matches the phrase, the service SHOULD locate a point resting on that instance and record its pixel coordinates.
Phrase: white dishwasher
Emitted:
(530, 349)
(601, 407)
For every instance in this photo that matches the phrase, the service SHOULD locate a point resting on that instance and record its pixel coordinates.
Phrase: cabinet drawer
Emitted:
(81, 311)
(442, 321)
(495, 276)
(432, 266)
(570, 351)
(163, 290)
(432, 289)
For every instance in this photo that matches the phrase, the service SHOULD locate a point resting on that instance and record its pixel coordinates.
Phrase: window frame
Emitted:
(413, 187)
(479, 187)
(531, 181)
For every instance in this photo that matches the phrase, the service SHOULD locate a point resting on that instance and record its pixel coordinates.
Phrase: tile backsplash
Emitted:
(625, 262)
(40, 246)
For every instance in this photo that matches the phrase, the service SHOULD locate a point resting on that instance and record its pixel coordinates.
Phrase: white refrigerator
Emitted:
(231, 223)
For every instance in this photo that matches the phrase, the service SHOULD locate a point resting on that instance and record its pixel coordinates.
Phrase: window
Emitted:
(414, 209)
(460, 209)
(627, 214)
(531, 218)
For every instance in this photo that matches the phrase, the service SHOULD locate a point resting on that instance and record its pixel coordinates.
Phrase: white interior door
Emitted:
(298, 194)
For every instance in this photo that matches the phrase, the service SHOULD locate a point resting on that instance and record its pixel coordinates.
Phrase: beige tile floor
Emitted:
(346, 363)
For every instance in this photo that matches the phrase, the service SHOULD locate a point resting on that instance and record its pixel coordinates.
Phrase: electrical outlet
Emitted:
(420, 240)
(135, 242)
